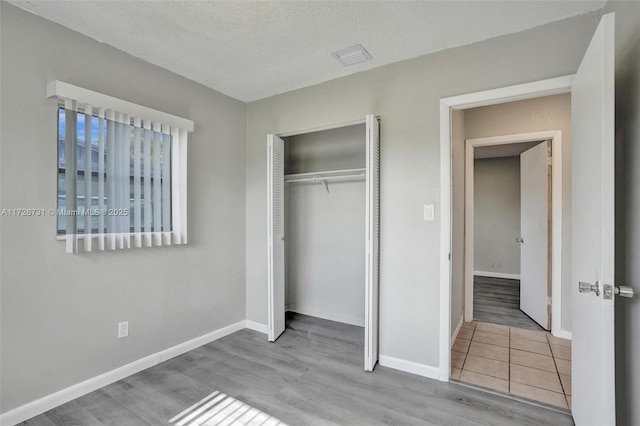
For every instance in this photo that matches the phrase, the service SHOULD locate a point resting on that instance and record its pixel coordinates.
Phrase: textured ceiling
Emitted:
(254, 49)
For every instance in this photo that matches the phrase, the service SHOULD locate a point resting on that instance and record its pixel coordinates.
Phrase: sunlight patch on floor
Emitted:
(220, 409)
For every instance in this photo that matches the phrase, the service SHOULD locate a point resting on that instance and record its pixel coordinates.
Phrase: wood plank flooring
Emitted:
(497, 300)
(312, 375)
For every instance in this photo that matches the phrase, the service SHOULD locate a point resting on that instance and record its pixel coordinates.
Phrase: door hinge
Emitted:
(449, 256)
(548, 301)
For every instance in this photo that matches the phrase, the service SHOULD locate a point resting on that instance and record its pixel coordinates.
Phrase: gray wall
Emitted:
(496, 215)
(406, 95)
(334, 149)
(325, 232)
(627, 208)
(533, 115)
(60, 311)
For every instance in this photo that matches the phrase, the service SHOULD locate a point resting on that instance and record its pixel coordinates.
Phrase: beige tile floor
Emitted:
(527, 363)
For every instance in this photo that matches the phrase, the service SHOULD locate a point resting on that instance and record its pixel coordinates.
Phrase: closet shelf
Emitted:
(323, 177)
(326, 175)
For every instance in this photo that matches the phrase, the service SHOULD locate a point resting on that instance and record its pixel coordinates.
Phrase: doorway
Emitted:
(449, 107)
(533, 262)
(532, 364)
(512, 234)
(320, 159)
(590, 286)
(498, 352)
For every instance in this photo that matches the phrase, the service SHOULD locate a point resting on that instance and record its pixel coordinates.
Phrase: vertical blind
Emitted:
(122, 177)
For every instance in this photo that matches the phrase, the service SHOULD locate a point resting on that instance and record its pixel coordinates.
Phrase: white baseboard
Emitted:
(457, 330)
(409, 367)
(346, 319)
(48, 402)
(497, 275)
(563, 334)
(256, 326)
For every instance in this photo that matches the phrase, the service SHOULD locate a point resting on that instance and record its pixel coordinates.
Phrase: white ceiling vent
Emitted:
(352, 55)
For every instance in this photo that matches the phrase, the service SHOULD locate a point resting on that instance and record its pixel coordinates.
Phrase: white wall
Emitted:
(325, 250)
(406, 96)
(325, 232)
(496, 215)
(533, 115)
(59, 312)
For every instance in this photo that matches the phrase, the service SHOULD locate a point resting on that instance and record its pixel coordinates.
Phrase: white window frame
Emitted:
(180, 127)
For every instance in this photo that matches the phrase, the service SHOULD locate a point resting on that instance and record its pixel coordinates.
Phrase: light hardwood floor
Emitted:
(312, 375)
(497, 300)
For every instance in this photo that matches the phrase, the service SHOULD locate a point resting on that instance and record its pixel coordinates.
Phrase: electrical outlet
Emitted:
(499, 265)
(123, 329)
(493, 264)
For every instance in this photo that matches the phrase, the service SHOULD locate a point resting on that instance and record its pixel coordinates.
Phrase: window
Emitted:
(147, 180)
(121, 177)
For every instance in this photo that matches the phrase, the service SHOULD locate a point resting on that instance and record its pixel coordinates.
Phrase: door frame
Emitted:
(556, 219)
(553, 86)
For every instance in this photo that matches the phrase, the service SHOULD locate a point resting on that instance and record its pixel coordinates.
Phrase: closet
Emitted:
(323, 227)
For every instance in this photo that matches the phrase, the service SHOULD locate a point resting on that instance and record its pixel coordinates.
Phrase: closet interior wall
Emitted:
(325, 226)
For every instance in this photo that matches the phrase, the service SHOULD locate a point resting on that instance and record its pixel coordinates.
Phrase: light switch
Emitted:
(429, 212)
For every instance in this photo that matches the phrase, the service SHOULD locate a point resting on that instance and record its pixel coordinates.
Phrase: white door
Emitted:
(592, 100)
(275, 236)
(534, 233)
(372, 251)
